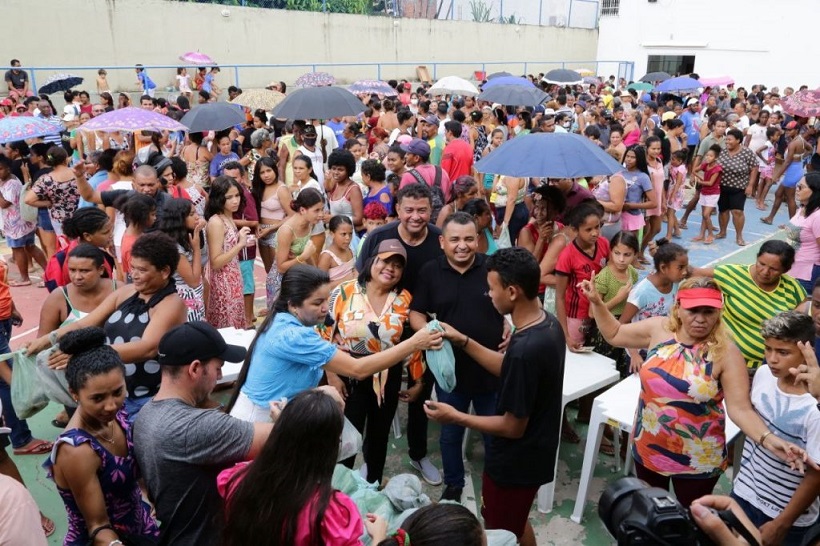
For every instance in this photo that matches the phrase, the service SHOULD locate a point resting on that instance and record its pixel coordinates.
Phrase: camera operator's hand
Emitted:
(713, 526)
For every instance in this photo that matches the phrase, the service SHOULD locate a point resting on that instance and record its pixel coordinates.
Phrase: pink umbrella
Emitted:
(804, 103)
(132, 119)
(717, 80)
(195, 57)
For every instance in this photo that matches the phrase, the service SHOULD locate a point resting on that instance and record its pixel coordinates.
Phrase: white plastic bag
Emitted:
(351, 441)
(503, 240)
(54, 382)
(28, 396)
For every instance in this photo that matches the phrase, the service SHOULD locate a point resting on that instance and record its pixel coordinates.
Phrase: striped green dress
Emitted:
(746, 306)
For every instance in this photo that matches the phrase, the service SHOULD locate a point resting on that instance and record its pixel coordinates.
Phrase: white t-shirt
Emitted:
(776, 108)
(764, 480)
(317, 160)
(742, 123)
(758, 134)
(119, 219)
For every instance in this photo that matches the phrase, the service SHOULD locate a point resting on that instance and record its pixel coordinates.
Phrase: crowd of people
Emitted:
(384, 249)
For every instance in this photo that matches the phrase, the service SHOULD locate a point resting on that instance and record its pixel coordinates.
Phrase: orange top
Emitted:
(5, 292)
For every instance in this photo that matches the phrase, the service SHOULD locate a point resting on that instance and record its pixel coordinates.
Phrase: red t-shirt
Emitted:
(457, 159)
(580, 266)
(714, 189)
(5, 293)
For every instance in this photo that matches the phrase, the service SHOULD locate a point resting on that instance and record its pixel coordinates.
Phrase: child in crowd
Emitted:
(375, 216)
(337, 259)
(182, 223)
(767, 154)
(223, 156)
(708, 175)
(184, 83)
(614, 283)
(780, 501)
(146, 84)
(246, 216)
(674, 199)
(140, 213)
(102, 81)
(654, 296)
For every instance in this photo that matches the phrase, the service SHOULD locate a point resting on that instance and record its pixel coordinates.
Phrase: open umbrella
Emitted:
(60, 82)
(514, 95)
(259, 99)
(197, 58)
(495, 75)
(508, 80)
(132, 119)
(681, 83)
(804, 103)
(717, 80)
(453, 85)
(213, 116)
(14, 128)
(656, 77)
(549, 155)
(640, 86)
(319, 103)
(372, 87)
(315, 79)
(563, 76)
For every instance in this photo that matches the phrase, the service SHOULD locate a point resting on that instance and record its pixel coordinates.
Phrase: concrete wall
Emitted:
(97, 33)
(746, 40)
(556, 13)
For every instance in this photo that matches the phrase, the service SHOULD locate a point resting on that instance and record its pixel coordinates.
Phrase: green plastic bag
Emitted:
(28, 396)
(442, 362)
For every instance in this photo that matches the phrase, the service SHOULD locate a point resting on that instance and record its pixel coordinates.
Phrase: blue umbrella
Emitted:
(498, 75)
(319, 103)
(507, 80)
(514, 95)
(60, 82)
(682, 83)
(549, 155)
(214, 116)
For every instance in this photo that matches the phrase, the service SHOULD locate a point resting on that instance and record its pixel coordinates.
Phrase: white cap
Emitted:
(549, 112)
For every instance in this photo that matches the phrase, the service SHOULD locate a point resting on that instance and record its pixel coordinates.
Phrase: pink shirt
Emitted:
(808, 254)
(428, 173)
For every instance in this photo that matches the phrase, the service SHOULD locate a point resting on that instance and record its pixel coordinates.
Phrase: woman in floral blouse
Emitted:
(370, 315)
(691, 365)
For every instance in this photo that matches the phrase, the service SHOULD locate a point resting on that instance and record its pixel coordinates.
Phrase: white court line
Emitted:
(24, 334)
(739, 250)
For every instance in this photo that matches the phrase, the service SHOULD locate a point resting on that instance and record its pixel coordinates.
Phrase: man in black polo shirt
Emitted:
(455, 290)
(420, 238)
(524, 429)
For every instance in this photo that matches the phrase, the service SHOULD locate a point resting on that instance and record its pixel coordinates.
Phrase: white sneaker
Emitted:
(428, 471)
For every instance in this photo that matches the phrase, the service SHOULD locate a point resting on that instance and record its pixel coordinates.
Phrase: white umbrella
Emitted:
(453, 85)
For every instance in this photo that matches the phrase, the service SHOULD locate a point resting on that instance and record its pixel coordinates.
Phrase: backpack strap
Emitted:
(417, 175)
(437, 181)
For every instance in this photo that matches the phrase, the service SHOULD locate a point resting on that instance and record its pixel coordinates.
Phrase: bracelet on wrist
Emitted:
(466, 341)
(764, 436)
(114, 542)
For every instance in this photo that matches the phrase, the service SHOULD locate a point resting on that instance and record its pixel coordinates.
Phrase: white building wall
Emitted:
(754, 41)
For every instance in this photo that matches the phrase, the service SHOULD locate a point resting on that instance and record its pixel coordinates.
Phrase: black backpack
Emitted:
(438, 193)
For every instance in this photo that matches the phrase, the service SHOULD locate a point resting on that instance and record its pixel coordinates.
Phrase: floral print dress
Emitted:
(64, 197)
(118, 476)
(226, 306)
(680, 422)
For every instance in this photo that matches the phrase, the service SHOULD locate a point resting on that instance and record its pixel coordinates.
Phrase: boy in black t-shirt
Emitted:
(525, 428)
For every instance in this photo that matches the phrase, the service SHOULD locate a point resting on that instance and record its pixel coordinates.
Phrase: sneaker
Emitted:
(452, 493)
(428, 471)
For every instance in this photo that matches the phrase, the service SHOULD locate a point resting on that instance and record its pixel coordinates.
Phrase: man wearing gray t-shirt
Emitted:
(182, 442)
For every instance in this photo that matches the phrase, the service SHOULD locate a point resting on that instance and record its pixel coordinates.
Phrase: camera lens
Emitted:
(616, 501)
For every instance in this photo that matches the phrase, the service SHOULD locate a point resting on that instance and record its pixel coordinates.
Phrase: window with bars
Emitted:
(610, 8)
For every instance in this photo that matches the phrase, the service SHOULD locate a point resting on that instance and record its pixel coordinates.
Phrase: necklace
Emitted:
(516, 329)
(100, 435)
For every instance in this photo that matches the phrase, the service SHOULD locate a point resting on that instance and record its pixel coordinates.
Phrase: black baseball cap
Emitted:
(196, 340)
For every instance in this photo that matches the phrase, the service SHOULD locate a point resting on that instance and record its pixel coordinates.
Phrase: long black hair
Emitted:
(640, 158)
(294, 467)
(298, 284)
(216, 197)
(258, 186)
(172, 223)
(437, 524)
(813, 182)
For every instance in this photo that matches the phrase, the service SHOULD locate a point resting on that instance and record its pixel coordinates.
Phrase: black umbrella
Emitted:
(319, 103)
(656, 77)
(499, 75)
(213, 116)
(60, 82)
(563, 76)
(514, 95)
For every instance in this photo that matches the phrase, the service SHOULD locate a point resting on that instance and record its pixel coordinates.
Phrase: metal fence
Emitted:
(556, 13)
(258, 75)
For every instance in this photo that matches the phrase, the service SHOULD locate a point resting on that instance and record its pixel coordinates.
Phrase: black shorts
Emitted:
(731, 199)
(691, 153)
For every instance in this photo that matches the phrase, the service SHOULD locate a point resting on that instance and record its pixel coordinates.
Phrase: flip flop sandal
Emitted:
(607, 447)
(35, 447)
(570, 436)
(59, 424)
(766, 221)
(15, 284)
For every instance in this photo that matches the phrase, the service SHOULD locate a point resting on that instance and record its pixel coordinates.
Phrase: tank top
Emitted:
(129, 322)
(680, 421)
(342, 205)
(272, 208)
(75, 314)
(341, 269)
(297, 246)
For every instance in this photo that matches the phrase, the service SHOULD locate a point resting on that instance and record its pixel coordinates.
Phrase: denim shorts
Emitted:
(22, 242)
(44, 220)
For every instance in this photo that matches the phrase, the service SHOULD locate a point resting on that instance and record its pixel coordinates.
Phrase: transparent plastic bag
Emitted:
(442, 362)
(503, 240)
(351, 441)
(28, 396)
(53, 382)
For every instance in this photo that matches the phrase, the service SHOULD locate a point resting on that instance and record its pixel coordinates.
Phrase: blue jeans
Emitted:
(133, 406)
(793, 538)
(20, 433)
(453, 435)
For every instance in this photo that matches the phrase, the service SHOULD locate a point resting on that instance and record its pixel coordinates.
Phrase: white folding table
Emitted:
(584, 373)
(616, 407)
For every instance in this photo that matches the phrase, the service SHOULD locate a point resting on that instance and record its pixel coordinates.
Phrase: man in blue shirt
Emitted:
(98, 164)
(691, 127)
